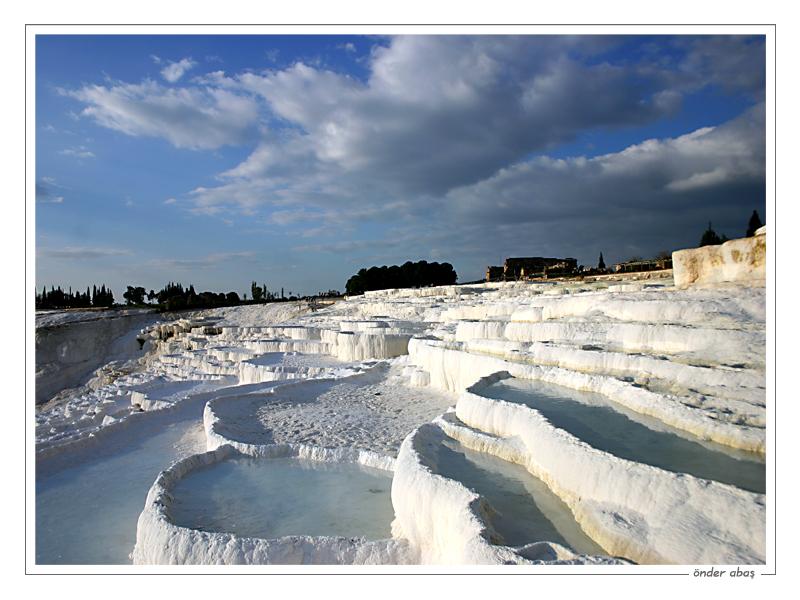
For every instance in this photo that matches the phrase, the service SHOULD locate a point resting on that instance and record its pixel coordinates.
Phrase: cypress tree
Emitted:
(710, 237)
(754, 224)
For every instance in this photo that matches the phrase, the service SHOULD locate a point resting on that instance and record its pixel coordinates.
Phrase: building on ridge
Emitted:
(532, 267)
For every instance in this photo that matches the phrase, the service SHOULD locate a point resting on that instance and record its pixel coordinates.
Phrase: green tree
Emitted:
(410, 274)
(754, 224)
(710, 237)
(134, 295)
(256, 292)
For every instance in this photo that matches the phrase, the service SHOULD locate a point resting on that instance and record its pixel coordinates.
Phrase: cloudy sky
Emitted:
(297, 160)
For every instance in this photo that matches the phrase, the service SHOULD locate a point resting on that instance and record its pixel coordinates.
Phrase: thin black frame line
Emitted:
(398, 25)
(392, 574)
(775, 295)
(25, 279)
(775, 175)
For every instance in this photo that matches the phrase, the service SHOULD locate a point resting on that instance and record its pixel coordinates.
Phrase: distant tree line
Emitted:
(710, 238)
(262, 294)
(174, 296)
(410, 274)
(58, 298)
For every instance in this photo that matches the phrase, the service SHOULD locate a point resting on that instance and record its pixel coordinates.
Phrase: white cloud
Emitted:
(437, 112)
(46, 191)
(203, 262)
(77, 152)
(191, 117)
(51, 199)
(700, 180)
(83, 252)
(441, 111)
(439, 136)
(170, 201)
(288, 217)
(175, 70)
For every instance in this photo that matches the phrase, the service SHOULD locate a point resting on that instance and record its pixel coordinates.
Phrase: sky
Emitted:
(296, 160)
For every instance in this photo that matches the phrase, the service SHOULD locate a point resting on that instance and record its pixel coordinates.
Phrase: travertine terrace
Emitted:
(390, 378)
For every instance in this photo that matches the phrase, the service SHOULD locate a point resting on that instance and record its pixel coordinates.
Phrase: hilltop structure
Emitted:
(515, 269)
(650, 264)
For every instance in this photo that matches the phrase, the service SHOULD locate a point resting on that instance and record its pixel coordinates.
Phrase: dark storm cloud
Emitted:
(441, 111)
(656, 195)
(735, 63)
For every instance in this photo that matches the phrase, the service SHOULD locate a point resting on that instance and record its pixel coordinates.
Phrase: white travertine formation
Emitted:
(160, 541)
(349, 382)
(448, 523)
(453, 369)
(68, 350)
(630, 509)
(740, 260)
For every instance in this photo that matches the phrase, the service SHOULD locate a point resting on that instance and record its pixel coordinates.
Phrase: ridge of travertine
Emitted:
(692, 358)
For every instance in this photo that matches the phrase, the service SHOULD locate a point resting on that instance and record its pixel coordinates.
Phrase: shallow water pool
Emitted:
(271, 498)
(607, 426)
(88, 499)
(267, 359)
(87, 514)
(527, 511)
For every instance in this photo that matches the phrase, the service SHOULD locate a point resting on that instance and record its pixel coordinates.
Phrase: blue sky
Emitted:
(297, 160)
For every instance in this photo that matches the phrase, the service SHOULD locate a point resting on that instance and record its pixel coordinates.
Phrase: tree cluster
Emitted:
(710, 238)
(411, 274)
(262, 294)
(174, 296)
(134, 295)
(58, 298)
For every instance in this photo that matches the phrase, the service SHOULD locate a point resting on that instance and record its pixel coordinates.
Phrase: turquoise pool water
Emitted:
(609, 427)
(275, 497)
(526, 510)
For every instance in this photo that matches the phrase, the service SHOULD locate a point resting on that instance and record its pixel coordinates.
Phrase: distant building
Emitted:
(536, 266)
(636, 266)
(494, 273)
(515, 269)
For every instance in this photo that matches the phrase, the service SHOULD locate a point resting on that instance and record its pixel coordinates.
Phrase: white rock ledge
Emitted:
(641, 512)
(741, 260)
(453, 369)
(447, 523)
(213, 425)
(160, 541)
